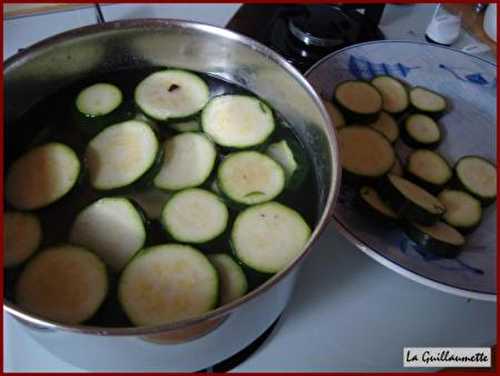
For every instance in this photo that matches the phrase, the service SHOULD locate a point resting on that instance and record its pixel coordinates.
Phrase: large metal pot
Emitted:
(55, 62)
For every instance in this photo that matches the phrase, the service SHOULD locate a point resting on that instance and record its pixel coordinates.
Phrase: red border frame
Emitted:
(465, 372)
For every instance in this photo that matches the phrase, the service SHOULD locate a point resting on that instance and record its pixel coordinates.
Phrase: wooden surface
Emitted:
(17, 10)
(473, 23)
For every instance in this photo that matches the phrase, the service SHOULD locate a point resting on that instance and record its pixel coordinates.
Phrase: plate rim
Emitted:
(373, 253)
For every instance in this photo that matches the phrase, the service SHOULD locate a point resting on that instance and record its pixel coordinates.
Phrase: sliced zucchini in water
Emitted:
(194, 216)
(359, 101)
(171, 94)
(397, 167)
(113, 228)
(290, 156)
(42, 176)
(478, 176)
(364, 152)
(335, 114)
(121, 155)
(22, 237)
(237, 121)
(99, 105)
(428, 102)
(268, 237)
(168, 283)
(387, 126)
(463, 211)
(249, 177)
(151, 201)
(411, 201)
(428, 169)
(421, 131)
(371, 201)
(66, 284)
(440, 238)
(187, 126)
(232, 280)
(394, 94)
(188, 159)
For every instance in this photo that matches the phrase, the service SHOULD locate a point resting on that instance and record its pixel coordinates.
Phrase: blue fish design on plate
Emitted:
(469, 83)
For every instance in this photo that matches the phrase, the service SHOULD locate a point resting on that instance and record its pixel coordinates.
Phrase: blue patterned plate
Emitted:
(470, 84)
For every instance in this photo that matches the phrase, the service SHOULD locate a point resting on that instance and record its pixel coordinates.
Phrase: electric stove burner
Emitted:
(241, 356)
(303, 34)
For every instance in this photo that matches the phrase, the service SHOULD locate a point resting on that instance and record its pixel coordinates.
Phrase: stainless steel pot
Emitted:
(203, 341)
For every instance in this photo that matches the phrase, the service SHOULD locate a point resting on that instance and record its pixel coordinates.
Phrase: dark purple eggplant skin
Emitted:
(433, 114)
(354, 117)
(372, 213)
(428, 186)
(404, 207)
(435, 246)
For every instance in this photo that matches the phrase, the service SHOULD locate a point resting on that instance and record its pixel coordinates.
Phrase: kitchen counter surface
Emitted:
(348, 313)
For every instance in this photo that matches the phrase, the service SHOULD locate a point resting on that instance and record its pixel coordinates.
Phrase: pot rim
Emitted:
(152, 23)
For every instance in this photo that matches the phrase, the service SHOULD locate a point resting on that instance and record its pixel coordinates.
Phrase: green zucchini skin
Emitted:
(405, 85)
(439, 248)
(300, 175)
(232, 147)
(145, 180)
(411, 142)
(403, 206)
(456, 183)
(352, 117)
(76, 189)
(427, 185)
(464, 229)
(433, 114)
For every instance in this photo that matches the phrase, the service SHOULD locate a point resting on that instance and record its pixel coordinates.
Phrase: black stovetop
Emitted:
(303, 34)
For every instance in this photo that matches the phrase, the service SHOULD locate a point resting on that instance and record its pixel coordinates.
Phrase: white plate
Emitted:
(470, 85)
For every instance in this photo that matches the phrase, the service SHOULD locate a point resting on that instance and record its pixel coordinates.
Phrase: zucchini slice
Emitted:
(121, 154)
(478, 176)
(421, 131)
(359, 101)
(427, 102)
(171, 94)
(440, 238)
(364, 152)
(268, 237)
(98, 100)
(167, 283)
(188, 160)
(290, 156)
(371, 201)
(394, 94)
(463, 211)
(411, 201)
(113, 228)
(66, 284)
(187, 126)
(232, 280)
(237, 121)
(387, 126)
(249, 177)
(22, 237)
(194, 216)
(397, 167)
(336, 116)
(42, 176)
(428, 169)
